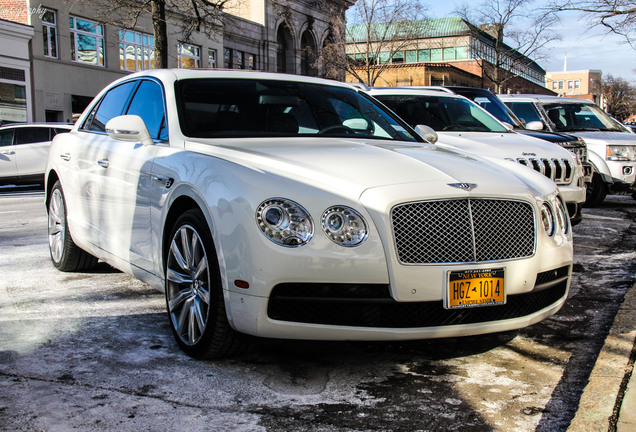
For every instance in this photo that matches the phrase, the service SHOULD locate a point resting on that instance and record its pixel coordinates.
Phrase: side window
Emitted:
(31, 135)
(6, 138)
(148, 104)
(111, 105)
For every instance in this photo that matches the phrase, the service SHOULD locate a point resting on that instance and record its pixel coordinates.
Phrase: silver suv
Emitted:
(611, 147)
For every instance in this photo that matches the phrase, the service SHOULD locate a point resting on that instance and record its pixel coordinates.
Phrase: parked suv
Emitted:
(491, 103)
(24, 148)
(458, 122)
(611, 147)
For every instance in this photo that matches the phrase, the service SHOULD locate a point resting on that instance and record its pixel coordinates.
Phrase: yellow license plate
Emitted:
(470, 288)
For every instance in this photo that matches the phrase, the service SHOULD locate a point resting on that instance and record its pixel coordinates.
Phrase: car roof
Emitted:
(40, 124)
(413, 91)
(170, 75)
(545, 98)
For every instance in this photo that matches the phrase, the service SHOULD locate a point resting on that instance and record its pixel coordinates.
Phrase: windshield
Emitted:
(490, 103)
(572, 117)
(526, 111)
(441, 113)
(215, 108)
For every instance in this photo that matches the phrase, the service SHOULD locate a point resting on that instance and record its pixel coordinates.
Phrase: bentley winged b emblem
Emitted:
(464, 186)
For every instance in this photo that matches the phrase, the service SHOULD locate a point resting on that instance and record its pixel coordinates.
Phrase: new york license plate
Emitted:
(470, 288)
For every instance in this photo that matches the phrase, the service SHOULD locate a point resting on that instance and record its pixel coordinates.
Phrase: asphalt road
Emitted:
(93, 351)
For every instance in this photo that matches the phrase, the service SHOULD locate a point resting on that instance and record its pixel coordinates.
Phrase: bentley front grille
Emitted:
(463, 230)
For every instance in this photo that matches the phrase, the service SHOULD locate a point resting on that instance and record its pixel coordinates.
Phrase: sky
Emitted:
(586, 48)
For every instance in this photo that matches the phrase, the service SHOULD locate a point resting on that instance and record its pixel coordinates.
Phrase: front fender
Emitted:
(600, 166)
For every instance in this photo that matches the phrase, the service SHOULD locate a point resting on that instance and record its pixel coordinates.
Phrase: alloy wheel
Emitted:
(57, 225)
(188, 285)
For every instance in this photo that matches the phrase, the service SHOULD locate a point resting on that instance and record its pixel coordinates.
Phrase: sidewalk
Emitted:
(608, 402)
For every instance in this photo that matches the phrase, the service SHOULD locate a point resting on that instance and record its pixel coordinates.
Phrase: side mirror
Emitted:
(427, 133)
(508, 126)
(358, 124)
(535, 125)
(129, 128)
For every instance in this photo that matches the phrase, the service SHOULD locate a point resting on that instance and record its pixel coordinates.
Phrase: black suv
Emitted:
(491, 103)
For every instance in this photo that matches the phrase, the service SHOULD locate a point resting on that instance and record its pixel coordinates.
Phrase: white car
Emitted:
(294, 207)
(24, 148)
(611, 146)
(460, 123)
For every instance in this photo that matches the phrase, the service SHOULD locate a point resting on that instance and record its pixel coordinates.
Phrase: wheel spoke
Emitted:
(176, 254)
(198, 315)
(201, 269)
(183, 319)
(185, 245)
(178, 278)
(178, 301)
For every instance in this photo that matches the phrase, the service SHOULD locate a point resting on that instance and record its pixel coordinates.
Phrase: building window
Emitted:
(449, 53)
(49, 33)
(436, 54)
(555, 85)
(212, 58)
(189, 56)
(13, 103)
(560, 85)
(410, 56)
(385, 56)
(577, 83)
(251, 61)
(136, 50)
(240, 60)
(398, 57)
(87, 41)
(423, 55)
(461, 53)
(227, 58)
(570, 84)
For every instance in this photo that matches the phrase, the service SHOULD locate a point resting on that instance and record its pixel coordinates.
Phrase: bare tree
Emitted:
(516, 38)
(375, 31)
(617, 16)
(191, 16)
(619, 96)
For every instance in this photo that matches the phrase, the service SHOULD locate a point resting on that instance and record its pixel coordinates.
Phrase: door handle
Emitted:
(66, 156)
(8, 152)
(103, 163)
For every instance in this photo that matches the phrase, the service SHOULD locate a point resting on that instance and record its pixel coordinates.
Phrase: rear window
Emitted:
(29, 135)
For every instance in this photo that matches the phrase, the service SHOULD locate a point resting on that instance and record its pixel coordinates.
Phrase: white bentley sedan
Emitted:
(293, 207)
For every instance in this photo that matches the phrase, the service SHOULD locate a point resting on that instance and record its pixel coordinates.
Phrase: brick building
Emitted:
(438, 49)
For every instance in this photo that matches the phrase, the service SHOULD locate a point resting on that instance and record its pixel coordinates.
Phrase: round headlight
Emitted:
(344, 226)
(284, 222)
(547, 219)
(563, 216)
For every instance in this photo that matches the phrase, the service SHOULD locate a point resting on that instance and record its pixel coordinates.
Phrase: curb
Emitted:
(605, 393)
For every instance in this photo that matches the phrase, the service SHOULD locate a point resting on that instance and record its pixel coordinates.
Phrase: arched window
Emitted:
(308, 55)
(285, 50)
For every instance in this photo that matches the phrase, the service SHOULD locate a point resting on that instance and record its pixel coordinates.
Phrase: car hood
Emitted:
(503, 145)
(554, 137)
(351, 166)
(619, 138)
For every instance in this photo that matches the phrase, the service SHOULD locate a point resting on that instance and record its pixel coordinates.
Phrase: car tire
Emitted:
(596, 192)
(65, 254)
(194, 295)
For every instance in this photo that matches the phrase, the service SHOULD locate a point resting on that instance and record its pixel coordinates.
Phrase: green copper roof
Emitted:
(438, 27)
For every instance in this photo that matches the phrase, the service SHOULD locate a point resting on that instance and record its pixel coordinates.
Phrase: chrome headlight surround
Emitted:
(547, 219)
(284, 222)
(344, 226)
(563, 216)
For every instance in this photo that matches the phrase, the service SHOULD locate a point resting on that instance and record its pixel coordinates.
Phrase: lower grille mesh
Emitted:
(371, 305)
